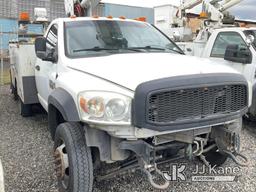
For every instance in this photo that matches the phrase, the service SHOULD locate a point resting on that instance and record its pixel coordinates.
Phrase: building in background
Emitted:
(130, 12)
(9, 13)
(12, 8)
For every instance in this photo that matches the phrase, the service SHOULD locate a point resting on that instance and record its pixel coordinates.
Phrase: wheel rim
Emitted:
(62, 165)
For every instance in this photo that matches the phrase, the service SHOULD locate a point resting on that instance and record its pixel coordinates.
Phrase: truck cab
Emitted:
(242, 57)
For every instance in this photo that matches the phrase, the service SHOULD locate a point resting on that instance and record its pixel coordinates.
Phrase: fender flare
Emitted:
(65, 103)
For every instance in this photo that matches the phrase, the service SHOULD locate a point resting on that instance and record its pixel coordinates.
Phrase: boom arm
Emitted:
(190, 4)
(80, 7)
(228, 4)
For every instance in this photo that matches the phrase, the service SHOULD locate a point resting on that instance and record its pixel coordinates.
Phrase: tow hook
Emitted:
(150, 177)
(148, 170)
(235, 155)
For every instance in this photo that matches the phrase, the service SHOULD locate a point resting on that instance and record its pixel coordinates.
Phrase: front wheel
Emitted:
(73, 159)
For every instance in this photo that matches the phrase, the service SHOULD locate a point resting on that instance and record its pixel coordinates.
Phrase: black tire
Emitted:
(14, 92)
(80, 166)
(25, 109)
(215, 158)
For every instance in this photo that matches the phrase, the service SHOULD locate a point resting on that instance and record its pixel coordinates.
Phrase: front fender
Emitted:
(65, 104)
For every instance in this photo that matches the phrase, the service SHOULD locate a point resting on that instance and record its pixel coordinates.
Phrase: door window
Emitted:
(52, 38)
(223, 40)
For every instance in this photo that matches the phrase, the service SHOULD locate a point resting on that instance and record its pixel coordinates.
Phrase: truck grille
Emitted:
(195, 103)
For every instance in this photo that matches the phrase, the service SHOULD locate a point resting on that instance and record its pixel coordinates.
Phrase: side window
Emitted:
(223, 40)
(52, 38)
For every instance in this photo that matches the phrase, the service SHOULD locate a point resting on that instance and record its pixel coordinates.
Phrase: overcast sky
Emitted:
(244, 10)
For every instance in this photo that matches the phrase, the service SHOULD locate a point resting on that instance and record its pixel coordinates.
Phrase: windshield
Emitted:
(87, 38)
(253, 33)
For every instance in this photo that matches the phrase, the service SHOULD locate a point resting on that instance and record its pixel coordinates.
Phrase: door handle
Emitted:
(37, 67)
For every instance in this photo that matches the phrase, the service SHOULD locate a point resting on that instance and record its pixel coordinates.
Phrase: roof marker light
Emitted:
(122, 17)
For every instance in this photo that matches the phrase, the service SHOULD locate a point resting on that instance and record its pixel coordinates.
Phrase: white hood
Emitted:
(130, 70)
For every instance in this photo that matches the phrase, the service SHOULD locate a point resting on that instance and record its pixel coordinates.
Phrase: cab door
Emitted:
(46, 71)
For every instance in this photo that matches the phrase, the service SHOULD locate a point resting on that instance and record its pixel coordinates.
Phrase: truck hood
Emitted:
(130, 70)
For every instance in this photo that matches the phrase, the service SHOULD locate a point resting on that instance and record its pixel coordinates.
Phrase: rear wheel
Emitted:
(73, 159)
(14, 91)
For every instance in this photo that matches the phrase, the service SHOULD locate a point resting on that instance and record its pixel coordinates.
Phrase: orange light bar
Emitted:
(73, 17)
(24, 16)
(122, 17)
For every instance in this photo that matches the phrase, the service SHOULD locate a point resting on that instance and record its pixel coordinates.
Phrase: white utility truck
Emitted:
(118, 91)
(235, 47)
(23, 58)
(219, 38)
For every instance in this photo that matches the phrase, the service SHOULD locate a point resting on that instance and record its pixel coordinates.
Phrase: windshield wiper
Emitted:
(145, 48)
(139, 49)
(95, 49)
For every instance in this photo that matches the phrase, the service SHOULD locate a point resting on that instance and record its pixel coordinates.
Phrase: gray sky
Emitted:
(244, 10)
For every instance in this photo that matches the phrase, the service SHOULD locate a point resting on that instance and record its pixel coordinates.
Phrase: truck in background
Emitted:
(219, 38)
(23, 58)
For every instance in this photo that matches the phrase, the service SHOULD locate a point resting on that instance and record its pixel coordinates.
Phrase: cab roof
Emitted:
(69, 19)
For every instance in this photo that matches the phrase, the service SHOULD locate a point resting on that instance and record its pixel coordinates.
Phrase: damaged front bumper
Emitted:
(149, 154)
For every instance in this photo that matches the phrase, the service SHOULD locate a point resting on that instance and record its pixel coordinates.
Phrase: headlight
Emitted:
(105, 107)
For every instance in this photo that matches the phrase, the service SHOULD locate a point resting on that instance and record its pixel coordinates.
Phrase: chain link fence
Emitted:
(12, 8)
(9, 10)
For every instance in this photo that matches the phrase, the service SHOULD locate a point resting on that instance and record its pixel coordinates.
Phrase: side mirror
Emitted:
(237, 54)
(41, 50)
(40, 47)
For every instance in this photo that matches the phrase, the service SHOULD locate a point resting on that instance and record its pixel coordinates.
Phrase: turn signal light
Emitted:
(83, 104)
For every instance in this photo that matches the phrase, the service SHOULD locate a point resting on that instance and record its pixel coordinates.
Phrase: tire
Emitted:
(215, 158)
(79, 172)
(25, 109)
(14, 92)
